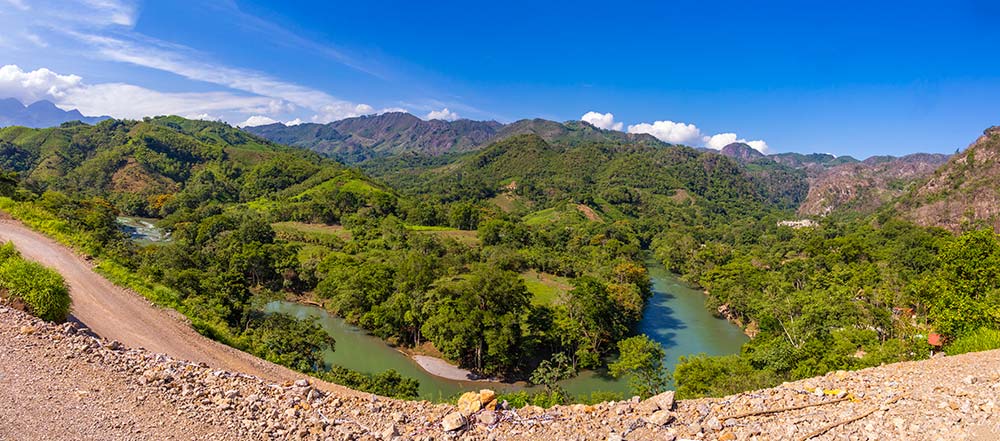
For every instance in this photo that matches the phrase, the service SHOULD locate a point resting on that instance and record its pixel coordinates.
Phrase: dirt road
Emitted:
(118, 314)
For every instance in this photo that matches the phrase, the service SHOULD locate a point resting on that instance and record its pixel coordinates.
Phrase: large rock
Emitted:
(469, 403)
(453, 421)
(486, 395)
(661, 418)
(664, 401)
(488, 418)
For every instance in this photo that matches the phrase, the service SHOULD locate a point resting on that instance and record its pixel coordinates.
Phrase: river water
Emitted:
(675, 317)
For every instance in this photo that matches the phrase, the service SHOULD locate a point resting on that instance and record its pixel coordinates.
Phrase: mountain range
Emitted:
(362, 138)
(40, 114)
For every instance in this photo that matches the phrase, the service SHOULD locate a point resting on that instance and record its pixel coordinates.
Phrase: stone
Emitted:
(302, 383)
(390, 432)
(714, 424)
(453, 421)
(469, 403)
(664, 401)
(661, 418)
(488, 418)
(486, 395)
(615, 437)
(727, 436)
(27, 330)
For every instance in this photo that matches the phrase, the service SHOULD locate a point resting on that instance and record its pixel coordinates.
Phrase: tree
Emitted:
(968, 288)
(478, 319)
(550, 372)
(642, 359)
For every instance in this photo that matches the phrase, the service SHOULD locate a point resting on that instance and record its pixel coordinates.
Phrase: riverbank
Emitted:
(441, 368)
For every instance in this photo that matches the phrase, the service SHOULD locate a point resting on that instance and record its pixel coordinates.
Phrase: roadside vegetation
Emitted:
(39, 290)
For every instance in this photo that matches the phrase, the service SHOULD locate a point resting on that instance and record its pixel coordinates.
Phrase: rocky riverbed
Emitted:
(59, 382)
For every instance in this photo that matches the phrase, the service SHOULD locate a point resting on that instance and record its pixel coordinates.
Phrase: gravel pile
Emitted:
(60, 382)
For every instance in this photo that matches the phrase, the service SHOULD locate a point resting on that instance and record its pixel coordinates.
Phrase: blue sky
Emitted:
(858, 78)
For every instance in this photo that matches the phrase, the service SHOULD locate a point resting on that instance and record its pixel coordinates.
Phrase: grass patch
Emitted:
(567, 214)
(465, 237)
(43, 290)
(545, 288)
(311, 233)
(983, 339)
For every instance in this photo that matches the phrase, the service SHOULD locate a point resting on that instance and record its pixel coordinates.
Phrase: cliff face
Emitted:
(868, 185)
(60, 382)
(962, 194)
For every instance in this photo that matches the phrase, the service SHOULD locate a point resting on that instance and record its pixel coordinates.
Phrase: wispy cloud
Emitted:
(19, 4)
(187, 63)
(283, 35)
(104, 29)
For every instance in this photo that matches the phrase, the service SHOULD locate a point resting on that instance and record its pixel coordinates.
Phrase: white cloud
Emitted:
(203, 117)
(36, 85)
(443, 114)
(104, 29)
(257, 120)
(119, 100)
(181, 61)
(669, 131)
(717, 142)
(393, 110)
(689, 134)
(129, 101)
(602, 120)
(334, 112)
(294, 122)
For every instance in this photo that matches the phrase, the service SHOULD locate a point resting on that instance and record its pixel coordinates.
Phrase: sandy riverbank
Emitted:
(441, 368)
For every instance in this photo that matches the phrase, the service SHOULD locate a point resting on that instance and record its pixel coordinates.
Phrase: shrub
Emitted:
(982, 339)
(41, 289)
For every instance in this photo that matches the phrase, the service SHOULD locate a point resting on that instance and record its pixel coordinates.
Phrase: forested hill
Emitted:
(964, 193)
(376, 136)
(526, 173)
(157, 165)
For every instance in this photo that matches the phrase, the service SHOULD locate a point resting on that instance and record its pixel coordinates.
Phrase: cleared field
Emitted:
(318, 233)
(545, 288)
(469, 238)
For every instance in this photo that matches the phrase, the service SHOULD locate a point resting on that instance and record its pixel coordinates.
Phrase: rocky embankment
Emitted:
(60, 382)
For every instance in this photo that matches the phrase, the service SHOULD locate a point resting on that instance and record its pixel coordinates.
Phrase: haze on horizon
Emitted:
(849, 79)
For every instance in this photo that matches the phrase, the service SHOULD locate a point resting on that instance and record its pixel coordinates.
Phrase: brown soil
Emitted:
(118, 314)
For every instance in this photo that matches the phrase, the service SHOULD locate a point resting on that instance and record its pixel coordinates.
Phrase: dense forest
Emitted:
(520, 260)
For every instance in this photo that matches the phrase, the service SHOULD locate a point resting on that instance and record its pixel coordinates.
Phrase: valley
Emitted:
(547, 260)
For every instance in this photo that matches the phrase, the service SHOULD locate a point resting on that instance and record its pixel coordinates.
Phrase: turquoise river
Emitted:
(675, 316)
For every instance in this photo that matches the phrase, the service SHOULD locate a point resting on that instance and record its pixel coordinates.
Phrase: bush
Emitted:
(982, 339)
(41, 289)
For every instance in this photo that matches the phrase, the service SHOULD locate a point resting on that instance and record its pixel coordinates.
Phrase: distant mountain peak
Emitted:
(742, 152)
(39, 114)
